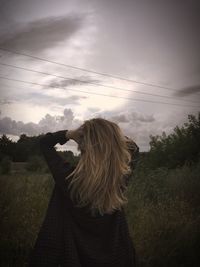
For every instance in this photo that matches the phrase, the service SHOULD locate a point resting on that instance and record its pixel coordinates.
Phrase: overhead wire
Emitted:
(87, 70)
(93, 83)
(93, 93)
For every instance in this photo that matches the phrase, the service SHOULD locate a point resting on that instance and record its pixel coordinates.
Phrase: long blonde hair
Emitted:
(98, 179)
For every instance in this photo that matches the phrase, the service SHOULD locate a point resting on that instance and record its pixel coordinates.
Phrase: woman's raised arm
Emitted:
(58, 166)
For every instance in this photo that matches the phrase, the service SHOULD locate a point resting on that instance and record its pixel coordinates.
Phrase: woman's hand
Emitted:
(76, 135)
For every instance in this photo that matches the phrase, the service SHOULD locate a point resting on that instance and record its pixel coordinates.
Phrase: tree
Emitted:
(180, 147)
(6, 146)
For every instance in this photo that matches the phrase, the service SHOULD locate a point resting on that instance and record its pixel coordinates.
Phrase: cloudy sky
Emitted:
(54, 53)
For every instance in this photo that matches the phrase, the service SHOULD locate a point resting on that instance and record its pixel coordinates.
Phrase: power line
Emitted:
(132, 99)
(86, 70)
(93, 83)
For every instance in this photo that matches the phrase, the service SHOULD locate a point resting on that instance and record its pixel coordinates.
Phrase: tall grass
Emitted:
(163, 215)
(23, 202)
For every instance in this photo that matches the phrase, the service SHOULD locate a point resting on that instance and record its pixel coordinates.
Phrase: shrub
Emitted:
(5, 165)
(34, 163)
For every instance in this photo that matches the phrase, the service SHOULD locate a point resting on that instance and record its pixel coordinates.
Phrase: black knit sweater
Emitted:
(70, 236)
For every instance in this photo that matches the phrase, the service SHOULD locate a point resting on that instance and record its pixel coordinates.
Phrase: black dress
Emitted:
(70, 236)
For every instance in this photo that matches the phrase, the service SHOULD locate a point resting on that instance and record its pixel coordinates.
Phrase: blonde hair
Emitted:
(98, 179)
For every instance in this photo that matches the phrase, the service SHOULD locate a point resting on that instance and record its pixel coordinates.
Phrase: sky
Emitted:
(53, 55)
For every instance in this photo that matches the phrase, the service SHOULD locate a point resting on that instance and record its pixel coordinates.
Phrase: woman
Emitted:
(85, 223)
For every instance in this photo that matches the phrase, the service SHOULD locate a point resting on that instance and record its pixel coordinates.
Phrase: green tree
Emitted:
(6, 146)
(178, 148)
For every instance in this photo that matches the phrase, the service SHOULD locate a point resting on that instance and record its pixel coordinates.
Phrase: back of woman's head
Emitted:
(98, 179)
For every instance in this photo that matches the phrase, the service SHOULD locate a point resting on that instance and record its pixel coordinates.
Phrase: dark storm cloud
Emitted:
(132, 117)
(119, 118)
(48, 123)
(188, 91)
(42, 34)
(9, 126)
(82, 80)
(141, 117)
(155, 40)
(42, 99)
(45, 100)
(5, 102)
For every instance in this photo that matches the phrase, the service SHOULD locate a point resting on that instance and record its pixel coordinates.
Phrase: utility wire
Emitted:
(93, 83)
(86, 70)
(132, 99)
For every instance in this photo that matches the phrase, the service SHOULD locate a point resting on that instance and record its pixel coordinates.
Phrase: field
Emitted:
(163, 214)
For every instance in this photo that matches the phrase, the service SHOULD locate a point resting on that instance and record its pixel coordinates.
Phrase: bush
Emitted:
(180, 147)
(34, 163)
(5, 165)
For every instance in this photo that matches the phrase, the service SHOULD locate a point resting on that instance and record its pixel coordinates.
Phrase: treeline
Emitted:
(21, 150)
(180, 147)
(26, 149)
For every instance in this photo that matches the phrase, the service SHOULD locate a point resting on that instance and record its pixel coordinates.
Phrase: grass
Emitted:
(163, 215)
(23, 201)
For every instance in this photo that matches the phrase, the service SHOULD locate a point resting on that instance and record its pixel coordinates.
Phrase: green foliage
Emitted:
(34, 163)
(27, 147)
(164, 215)
(69, 156)
(5, 165)
(6, 146)
(23, 202)
(180, 147)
